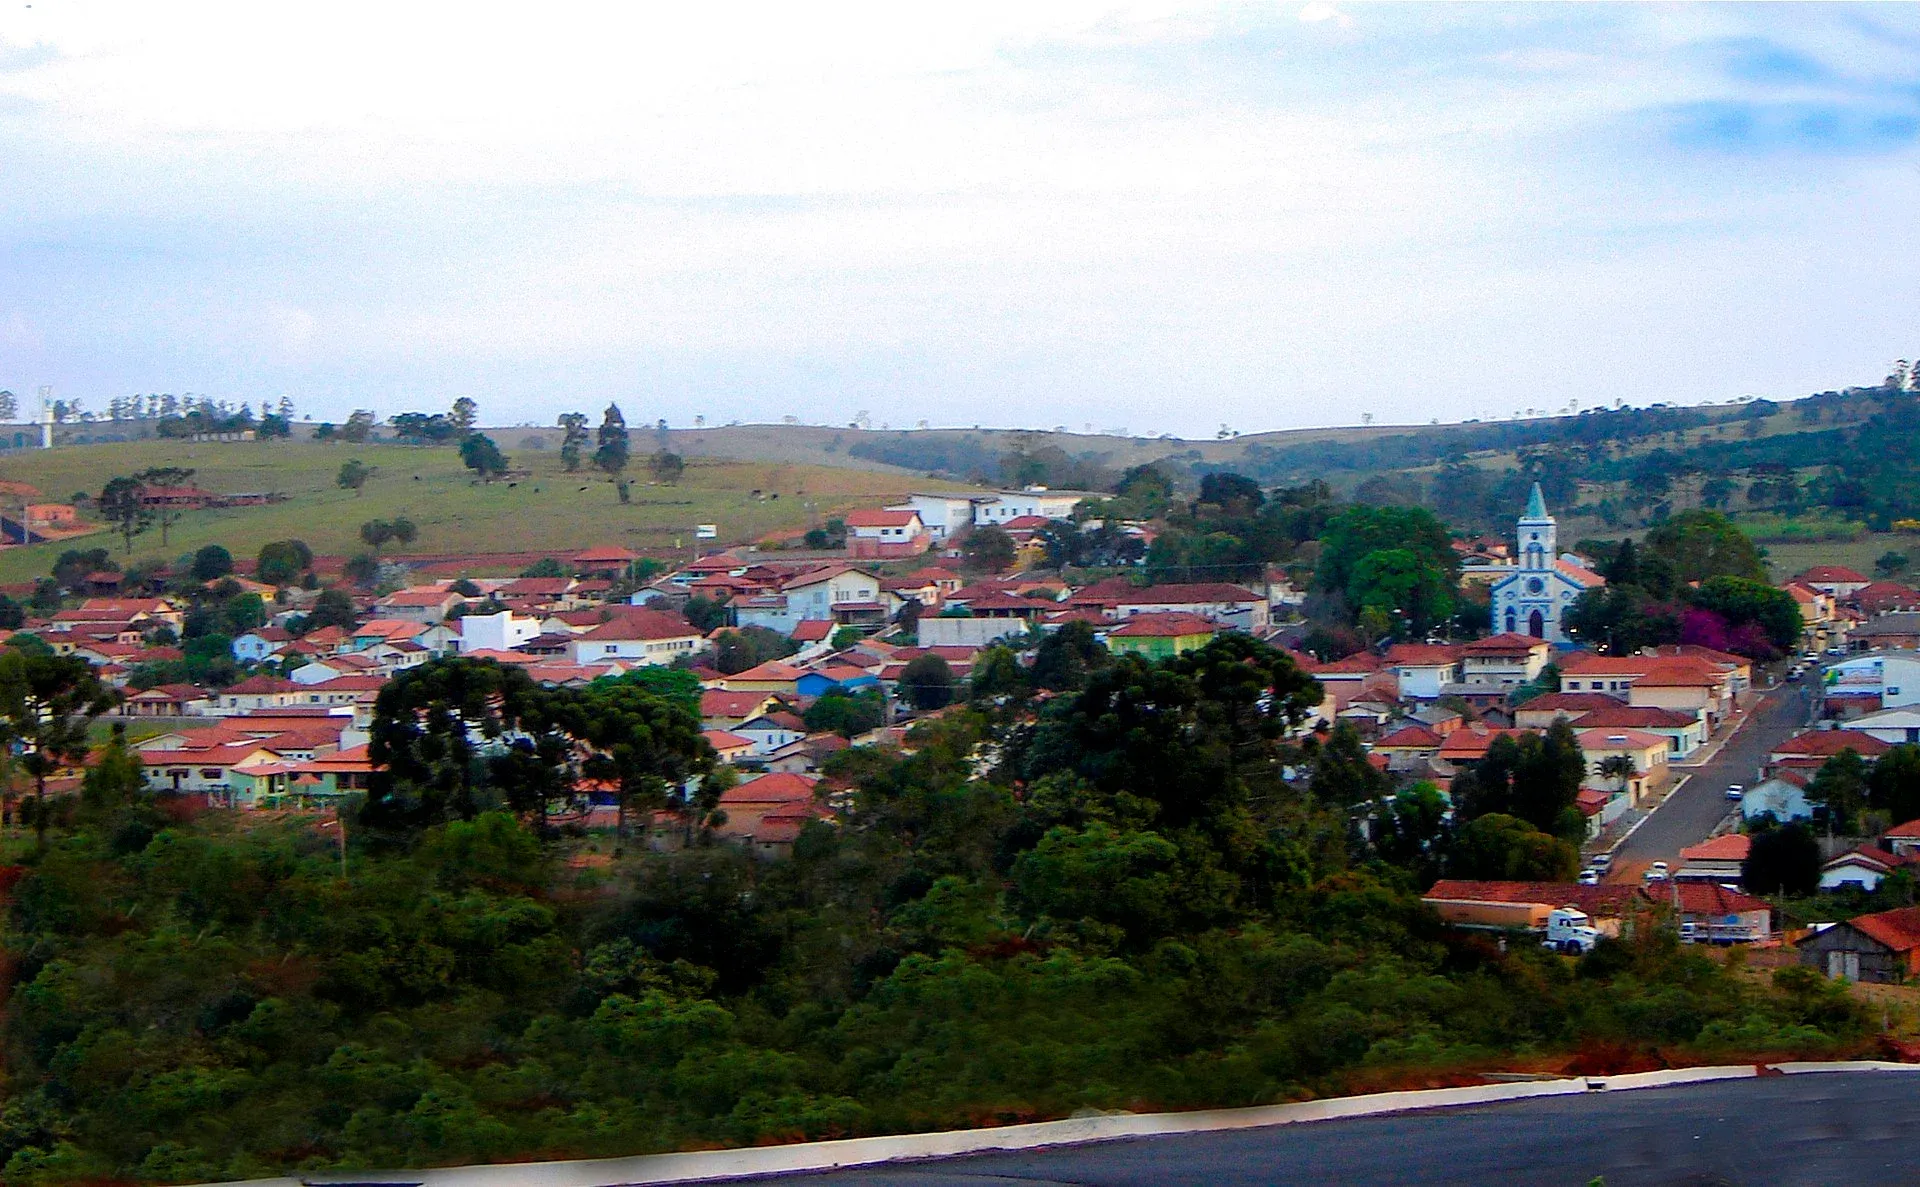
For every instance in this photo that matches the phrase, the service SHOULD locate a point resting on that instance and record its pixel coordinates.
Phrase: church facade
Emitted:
(1533, 596)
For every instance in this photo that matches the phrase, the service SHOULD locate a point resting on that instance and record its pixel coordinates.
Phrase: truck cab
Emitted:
(1570, 930)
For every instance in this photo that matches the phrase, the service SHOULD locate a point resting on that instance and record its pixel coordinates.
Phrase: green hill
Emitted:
(551, 510)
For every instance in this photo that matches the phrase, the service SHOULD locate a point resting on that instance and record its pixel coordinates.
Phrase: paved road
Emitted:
(1779, 1130)
(1690, 814)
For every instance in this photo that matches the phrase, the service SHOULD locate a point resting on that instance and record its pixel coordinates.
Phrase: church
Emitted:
(1532, 596)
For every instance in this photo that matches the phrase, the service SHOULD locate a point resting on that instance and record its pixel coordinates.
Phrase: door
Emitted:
(1537, 625)
(1853, 966)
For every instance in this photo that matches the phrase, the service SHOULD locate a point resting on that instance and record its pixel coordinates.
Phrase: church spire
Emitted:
(1536, 504)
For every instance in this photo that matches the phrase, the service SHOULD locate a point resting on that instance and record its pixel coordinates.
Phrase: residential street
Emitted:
(1690, 814)
(1787, 1129)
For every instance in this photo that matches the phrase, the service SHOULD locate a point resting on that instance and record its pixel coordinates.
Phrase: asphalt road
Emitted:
(1812, 1129)
(1690, 814)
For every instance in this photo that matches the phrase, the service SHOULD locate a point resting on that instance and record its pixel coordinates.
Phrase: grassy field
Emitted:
(1787, 558)
(454, 513)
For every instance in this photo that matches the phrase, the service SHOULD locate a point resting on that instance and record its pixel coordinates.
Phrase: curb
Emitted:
(715, 1165)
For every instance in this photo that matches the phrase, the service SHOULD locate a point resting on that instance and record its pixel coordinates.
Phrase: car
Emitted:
(1736, 792)
(1836, 651)
(1589, 877)
(1601, 861)
(1657, 872)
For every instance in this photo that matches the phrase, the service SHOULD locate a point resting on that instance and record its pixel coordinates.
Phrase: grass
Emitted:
(552, 510)
(1787, 558)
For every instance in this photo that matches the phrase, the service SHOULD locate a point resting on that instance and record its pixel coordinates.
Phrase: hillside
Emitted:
(454, 513)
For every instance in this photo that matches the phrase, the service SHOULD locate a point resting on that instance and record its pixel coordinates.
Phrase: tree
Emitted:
(1841, 787)
(1890, 563)
(12, 615)
(46, 705)
(362, 568)
(546, 566)
(242, 613)
(705, 614)
(1534, 777)
(332, 608)
(463, 415)
(1618, 767)
(1232, 492)
(431, 727)
(574, 440)
(1357, 531)
(120, 504)
(165, 514)
(611, 457)
(1702, 544)
(1499, 847)
(211, 563)
(376, 533)
(1342, 777)
(75, 563)
(1412, 831)
(996, 673)
(359, 427)
(479, 454)
(1064, 658)
(748, 647)
(1783, 860)
(666, 467)
(846, 714)
(282, 561)
(353, 475)
(1402, 584)
(1894, 784)
(845, 637)
(927, 682)
(987, 549)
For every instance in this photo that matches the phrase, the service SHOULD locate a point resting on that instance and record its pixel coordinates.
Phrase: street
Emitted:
(1784, 1129)
(1690, 814)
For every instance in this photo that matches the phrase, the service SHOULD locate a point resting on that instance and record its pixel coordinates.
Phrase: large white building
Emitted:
(1533, 598)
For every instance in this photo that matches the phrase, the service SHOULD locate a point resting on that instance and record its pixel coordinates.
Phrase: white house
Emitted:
(839, 593)
(1224, 602)
(1423, 670)
(642, 637)
(1534, 598)
(1783, 799)
(254, 646)
(1503, 661)
(496, 632)
(1005, 505)
(1872, 682)
(1861, 868)
(943, 515)
(769, 734)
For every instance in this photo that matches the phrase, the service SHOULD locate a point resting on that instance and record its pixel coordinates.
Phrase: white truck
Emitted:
(1570, 930)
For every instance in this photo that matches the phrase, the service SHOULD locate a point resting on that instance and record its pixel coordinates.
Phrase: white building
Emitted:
(1001, 506)
(496, 632)
(942, 515)
(1534, 598)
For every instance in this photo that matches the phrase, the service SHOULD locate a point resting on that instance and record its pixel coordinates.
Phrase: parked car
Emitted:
(1657, 872)
(1736, 791)
(1589, 877)
(1601, 861)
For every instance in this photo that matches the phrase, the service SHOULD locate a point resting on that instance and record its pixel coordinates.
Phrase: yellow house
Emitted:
(1160, 636)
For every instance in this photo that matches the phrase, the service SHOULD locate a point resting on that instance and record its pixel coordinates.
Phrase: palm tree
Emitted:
(1620, 768)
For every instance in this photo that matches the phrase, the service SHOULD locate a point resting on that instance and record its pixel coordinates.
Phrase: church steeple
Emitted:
(1539, 534)
(1536, 504)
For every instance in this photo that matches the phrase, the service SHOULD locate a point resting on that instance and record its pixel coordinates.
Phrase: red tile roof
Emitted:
(1421, 655)
(880, 519)
(1706, 898)
(1832, 574)
(1196, 593)
(780, 787)
(1508, 643)
(256, 685)
(1605, 900)
(1617, 716)
(1827, 743)
(637, 623)
(1732, 847)
(720, 702)
(605, 556)
(1897, 929)
(1409, 737)
(1173, 625)
(1571, 704)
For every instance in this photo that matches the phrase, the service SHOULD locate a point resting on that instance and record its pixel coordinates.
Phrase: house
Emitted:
(1409, 748)
(1504, 905)
(1687, 685)
(1904, 839)
(1225, 603)
(731, 747)
(1784, 797)
(805, 756)
(1720, 859)
(843, 594)
(1882, 948)
(422, 605)
(1613, 675)
(255, 692)
(1504, 660)
(1885, 597)
(1684, 732)
(495, 632)
(1543, 711)
(166, 700)
(1898, 631)
(330, 775)
(1161, 636)
(1001, 506)
(767, 814)
(1896, 726)
(1423, 669)
(1834, 580)
(834, 678)
(886, 535)
(257, 645)
(1811, 750)
(638, 637)
(1860, 868)
(612, 561)
(724, 709)
(320, 670)
(769, 732)
(1709, 913)
(1647, 753)
(770, 677)
(1534, 598)
(943, 515)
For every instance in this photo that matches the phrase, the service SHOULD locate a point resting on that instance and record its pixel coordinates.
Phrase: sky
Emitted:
(1157, 217)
